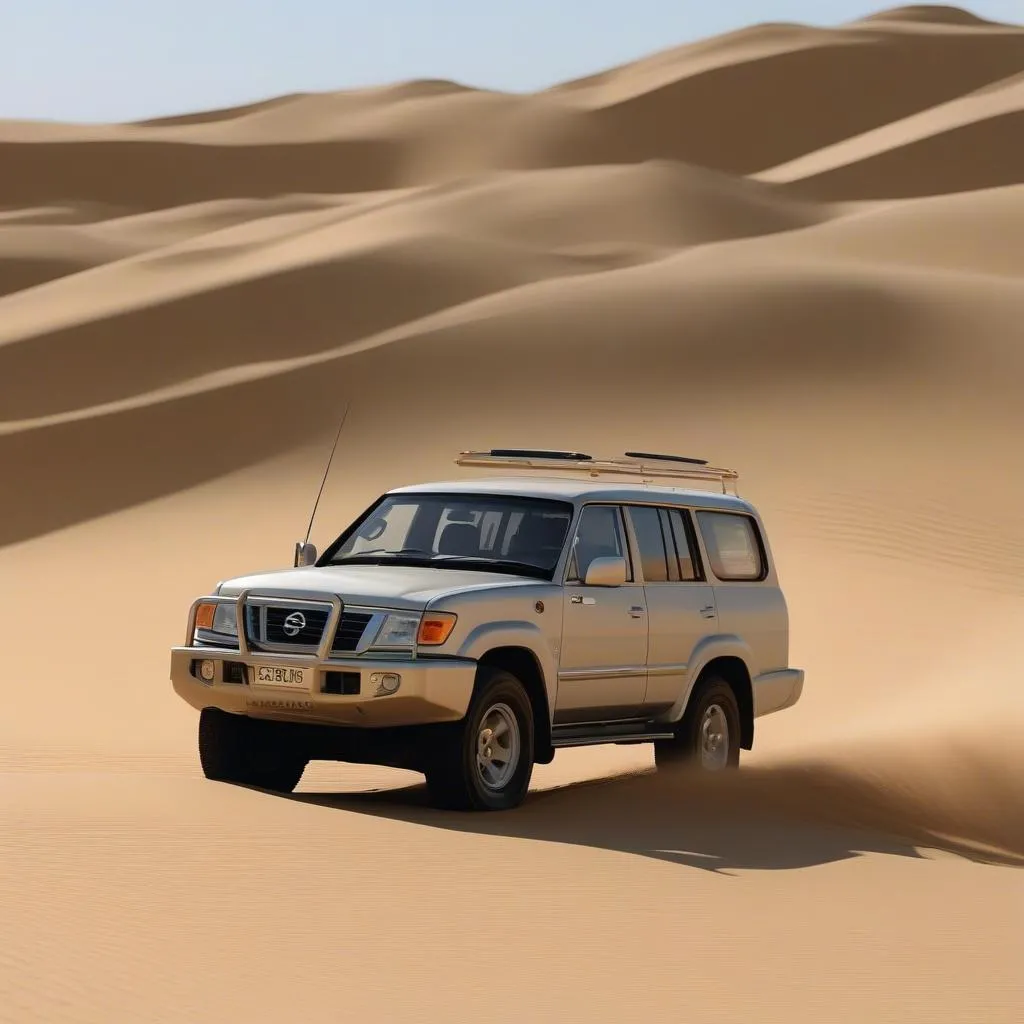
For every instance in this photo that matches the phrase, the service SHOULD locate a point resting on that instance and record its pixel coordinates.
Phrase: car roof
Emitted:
(570, 489)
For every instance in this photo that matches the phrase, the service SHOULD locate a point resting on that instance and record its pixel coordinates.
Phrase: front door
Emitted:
(602, 673)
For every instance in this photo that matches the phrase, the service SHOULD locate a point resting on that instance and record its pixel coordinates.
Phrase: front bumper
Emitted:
(336, 690)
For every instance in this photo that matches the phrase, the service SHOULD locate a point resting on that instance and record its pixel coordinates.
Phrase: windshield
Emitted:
(490, 531)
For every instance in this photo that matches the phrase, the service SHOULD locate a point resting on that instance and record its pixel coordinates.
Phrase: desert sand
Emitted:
(792, 250)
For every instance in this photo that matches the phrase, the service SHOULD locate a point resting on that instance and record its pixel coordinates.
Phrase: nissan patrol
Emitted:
(468, 630)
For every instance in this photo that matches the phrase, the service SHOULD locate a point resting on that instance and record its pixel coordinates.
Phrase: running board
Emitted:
(611, 732)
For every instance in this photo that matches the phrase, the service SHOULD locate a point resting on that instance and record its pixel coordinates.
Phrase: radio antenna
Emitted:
(344, 416)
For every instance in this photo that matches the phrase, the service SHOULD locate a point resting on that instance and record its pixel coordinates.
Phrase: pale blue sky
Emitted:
(100, 60)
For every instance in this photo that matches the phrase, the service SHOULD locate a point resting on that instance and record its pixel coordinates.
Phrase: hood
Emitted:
(387, 586)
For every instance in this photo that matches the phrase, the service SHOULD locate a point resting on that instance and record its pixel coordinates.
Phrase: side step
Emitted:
(607, 732)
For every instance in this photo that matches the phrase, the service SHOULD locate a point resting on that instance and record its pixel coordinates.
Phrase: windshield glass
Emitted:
(489, 531)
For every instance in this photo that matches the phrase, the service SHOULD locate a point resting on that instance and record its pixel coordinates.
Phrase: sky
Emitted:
(115, 60)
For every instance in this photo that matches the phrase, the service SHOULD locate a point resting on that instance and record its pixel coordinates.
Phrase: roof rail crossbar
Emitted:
(666, 458)
(539, 453)
(647, 467)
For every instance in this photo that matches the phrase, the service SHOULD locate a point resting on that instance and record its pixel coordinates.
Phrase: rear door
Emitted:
(749, 600)
(681, 607)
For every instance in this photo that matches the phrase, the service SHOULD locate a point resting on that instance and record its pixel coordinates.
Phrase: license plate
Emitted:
(278, 675)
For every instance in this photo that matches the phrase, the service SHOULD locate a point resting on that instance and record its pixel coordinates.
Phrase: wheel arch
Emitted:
(729, 658)
(734, 671)
(523, 663)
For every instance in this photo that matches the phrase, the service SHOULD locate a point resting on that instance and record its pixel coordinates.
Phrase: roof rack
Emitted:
(647, 465)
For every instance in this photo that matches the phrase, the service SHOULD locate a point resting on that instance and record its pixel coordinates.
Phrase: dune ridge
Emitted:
(791, 249)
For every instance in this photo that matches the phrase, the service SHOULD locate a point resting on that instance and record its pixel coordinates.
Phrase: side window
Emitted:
(653, 556)
(686, 545)
(733, 546)
(598, 535)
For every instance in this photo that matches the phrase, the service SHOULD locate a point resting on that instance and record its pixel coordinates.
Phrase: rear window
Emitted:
(733, 545)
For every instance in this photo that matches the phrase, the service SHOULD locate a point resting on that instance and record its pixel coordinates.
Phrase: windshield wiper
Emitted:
(375, 554)
(418, 557)
(530, 568)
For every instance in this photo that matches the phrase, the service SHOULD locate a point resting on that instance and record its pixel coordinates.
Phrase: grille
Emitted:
(310, 634)
(350, 631)
(346, 638)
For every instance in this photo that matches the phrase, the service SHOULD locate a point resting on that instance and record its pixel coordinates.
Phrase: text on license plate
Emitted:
(276, 675)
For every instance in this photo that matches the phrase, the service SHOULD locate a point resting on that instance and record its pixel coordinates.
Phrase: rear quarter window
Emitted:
(733, 545)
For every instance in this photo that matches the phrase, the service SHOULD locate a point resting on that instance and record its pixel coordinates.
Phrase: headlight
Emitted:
(225, 620)
(218, 618)
(398, 632)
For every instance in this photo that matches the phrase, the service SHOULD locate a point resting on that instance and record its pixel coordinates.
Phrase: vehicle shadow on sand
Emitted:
(762, 818)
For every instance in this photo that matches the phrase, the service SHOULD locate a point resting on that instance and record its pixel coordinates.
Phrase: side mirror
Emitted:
(606, 572)
(305, 554)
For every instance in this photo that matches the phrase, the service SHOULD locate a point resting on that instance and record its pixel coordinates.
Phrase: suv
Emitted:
(468, 630)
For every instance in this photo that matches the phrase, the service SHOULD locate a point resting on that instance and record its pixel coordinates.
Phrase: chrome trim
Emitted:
(666, 670)
(621, 673)
(602, 673)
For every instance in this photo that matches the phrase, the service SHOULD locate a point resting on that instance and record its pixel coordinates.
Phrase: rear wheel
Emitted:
(485, 761)
(708, 737)
(233, 748)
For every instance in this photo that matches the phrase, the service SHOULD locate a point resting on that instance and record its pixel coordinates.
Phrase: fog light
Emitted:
(386, 682)
(208, 669)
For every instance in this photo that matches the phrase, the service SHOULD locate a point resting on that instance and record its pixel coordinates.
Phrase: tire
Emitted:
(233, 748)
(456, 779)
(712, 706)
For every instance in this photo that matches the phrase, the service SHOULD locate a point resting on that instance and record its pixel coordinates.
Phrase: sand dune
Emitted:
(928, 14)
(747, 102)
(972, 142)
(794, 250)
(753, 99)
(971, 232)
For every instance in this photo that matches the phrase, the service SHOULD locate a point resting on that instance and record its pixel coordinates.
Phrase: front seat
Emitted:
(459, 539)
(538, 541)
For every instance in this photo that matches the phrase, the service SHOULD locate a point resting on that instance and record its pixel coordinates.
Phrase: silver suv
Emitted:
(468, 630)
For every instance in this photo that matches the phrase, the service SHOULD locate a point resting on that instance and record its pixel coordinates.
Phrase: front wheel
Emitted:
(233, 748)
(708, 737)
(485, 761)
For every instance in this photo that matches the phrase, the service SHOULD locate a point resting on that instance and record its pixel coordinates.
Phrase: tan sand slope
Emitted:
(794, 250)
(971, 142)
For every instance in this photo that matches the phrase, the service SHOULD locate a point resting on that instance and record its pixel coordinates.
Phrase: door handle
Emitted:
(708, 611)
(636, 611)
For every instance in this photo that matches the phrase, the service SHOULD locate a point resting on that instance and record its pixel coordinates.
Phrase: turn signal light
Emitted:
(436, 628)
(204, 616)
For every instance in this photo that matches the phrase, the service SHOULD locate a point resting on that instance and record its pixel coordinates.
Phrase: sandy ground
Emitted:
(791, 250)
